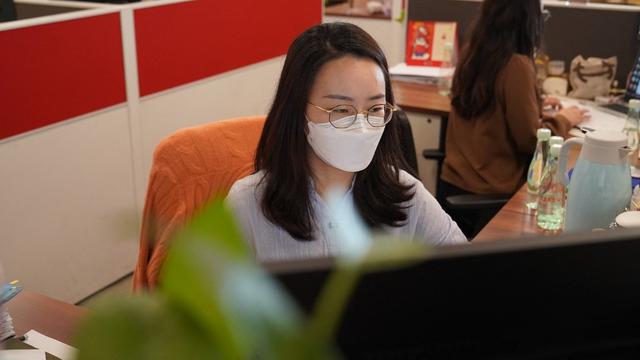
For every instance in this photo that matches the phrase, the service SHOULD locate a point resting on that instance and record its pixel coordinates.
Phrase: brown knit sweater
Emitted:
(490, 154)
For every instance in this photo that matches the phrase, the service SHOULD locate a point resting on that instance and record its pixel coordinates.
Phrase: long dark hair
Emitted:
(504, 28)
(283, 150)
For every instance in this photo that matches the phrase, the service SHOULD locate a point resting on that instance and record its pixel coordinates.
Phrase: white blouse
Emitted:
(426, 222)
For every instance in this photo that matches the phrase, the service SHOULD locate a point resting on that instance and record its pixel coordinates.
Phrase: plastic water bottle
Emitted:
(631, 129)
(550, 215)
(444, 81)
(559, 140)
(555, 140)
(534, 175)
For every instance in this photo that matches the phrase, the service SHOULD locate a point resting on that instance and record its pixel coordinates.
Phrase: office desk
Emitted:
(48, 316)
(512, 221)
(420, 98)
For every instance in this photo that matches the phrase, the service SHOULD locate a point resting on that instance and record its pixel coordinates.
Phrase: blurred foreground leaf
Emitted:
(216, 302)
(141, 327)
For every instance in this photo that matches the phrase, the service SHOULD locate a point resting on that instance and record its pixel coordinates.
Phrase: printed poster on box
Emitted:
(426, 42)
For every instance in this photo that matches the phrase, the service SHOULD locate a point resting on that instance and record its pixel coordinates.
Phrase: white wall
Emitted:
(389, 34)
(68, 212)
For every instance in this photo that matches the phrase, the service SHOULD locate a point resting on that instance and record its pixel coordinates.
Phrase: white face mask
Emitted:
(349, 149)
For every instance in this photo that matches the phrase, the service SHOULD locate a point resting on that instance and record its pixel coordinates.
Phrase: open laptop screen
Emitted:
(633, 87)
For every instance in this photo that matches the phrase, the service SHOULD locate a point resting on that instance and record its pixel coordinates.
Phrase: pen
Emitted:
(585, 129)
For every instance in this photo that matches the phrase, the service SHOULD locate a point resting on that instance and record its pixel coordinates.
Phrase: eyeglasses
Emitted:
(343, 116)
(546, 15)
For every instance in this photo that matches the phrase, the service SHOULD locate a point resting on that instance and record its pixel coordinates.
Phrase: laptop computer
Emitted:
(632, 91)
(565, 297)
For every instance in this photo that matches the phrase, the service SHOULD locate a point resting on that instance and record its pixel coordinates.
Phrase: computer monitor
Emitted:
(570, 296)
(633, 85)
(7, 10)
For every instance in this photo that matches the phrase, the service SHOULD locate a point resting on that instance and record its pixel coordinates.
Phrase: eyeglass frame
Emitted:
(546, 15)
(366, 113)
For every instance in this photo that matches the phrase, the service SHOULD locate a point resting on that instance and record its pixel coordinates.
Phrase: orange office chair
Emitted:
(189, 168)
(195, 164)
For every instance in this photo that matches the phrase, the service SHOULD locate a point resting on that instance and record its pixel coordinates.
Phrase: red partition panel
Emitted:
(54, 72)
(185, 42)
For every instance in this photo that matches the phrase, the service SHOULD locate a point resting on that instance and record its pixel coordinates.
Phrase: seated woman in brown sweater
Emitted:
(496, 107)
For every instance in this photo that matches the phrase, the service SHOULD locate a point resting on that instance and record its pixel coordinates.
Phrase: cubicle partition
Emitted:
(590, 30)
(246, 33)
(46, 80)
(86, 95)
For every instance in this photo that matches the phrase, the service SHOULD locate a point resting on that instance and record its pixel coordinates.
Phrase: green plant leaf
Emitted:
(216, 280)
(141, 327)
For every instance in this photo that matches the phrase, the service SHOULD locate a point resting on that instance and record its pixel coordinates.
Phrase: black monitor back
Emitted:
(7, 10)
(574, 296)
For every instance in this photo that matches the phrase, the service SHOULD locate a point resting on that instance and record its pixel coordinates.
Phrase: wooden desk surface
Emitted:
(420, 98)
(512, 221)
(48, 316)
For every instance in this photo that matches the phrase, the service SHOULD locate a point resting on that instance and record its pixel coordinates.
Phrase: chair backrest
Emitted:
(189, 168)
(407, 144)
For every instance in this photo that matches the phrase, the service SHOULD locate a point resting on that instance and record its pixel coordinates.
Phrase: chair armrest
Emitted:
(476, 202)
(433, 154)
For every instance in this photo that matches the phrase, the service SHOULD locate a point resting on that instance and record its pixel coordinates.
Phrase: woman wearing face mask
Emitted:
(331, 126)
(496, 107)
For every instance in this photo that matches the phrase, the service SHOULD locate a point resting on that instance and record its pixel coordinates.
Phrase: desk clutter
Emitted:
(34, 345)
(20, 351)
(420, 74)
(595, 192)
(6, 325)
(7, 292)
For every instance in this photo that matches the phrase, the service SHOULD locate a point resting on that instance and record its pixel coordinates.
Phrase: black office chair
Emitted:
(407, 145)
(463, 206)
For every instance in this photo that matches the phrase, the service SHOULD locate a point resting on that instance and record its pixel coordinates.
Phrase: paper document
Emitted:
(31, 354)
(6, 325)
(426, 71)
(52, 346)
(600, 118)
